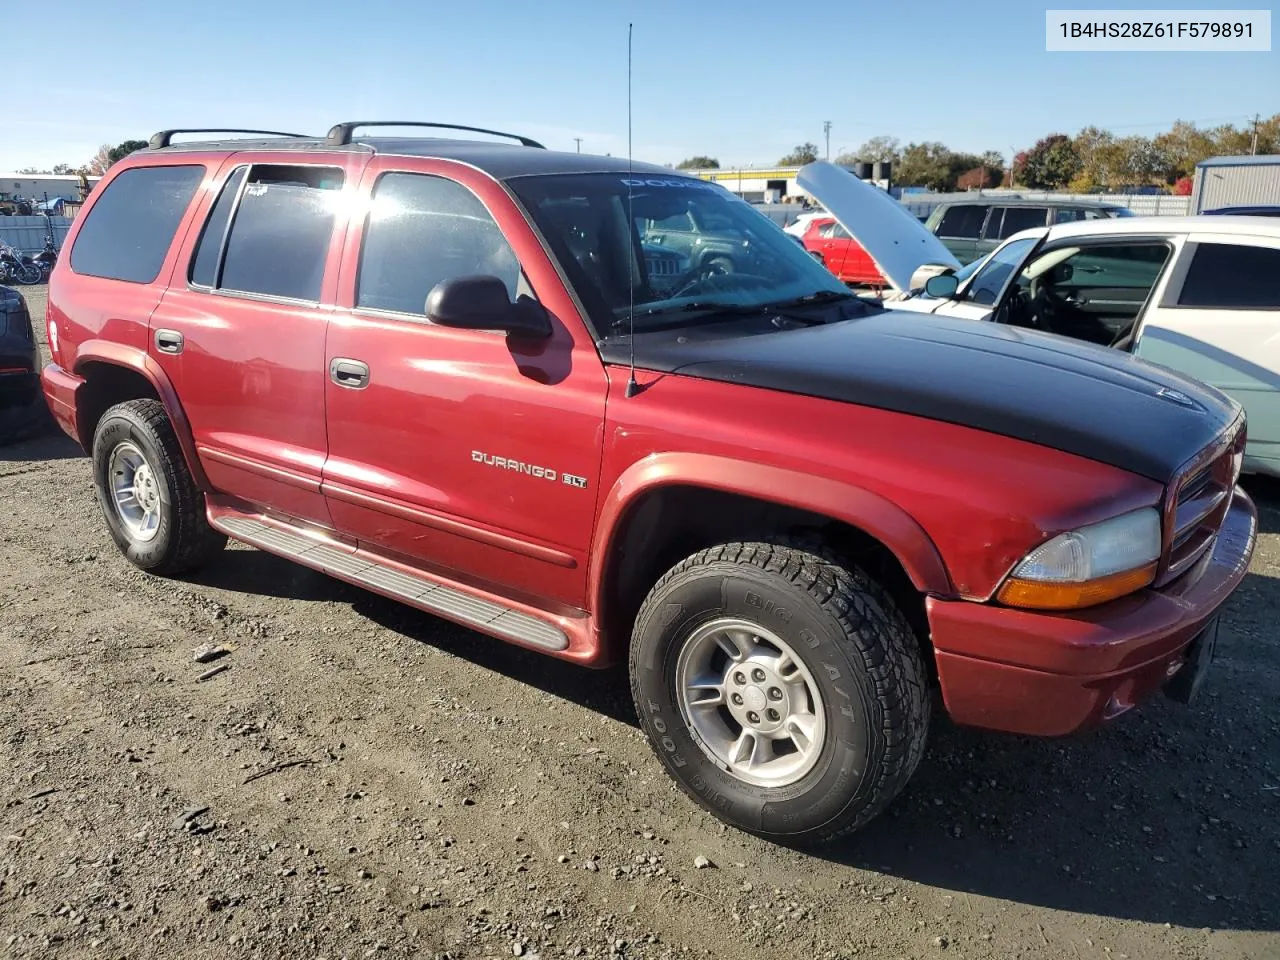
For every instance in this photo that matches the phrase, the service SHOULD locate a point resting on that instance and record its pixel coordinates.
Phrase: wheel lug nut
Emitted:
(738, 678)
(757, 675)
(775, 693)
(753, 716)
(737, 699)
(772, 714)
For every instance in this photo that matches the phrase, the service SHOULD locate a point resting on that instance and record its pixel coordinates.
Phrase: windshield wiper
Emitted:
(816, 298)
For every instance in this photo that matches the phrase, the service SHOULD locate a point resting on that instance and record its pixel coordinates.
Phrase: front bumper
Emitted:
(1054, 674)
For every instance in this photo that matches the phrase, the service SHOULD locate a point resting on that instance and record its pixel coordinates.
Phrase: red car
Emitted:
(832, 246)
(442, 370)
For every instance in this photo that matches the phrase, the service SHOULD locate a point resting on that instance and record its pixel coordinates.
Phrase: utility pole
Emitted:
(578, 141)
(826, 130)
(1253, 141)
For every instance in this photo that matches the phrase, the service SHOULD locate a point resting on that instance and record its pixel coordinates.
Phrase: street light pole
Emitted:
(578, 141)
(826, 130)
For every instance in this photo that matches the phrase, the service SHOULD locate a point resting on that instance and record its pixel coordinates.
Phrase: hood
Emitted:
(1075, 397)
(897, 242)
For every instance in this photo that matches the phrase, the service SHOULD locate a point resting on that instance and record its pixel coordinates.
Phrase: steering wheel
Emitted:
(710, 276)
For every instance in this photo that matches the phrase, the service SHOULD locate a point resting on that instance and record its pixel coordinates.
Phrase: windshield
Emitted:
(689, 247)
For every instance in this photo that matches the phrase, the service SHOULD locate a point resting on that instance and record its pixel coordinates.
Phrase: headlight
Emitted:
(1087, 566)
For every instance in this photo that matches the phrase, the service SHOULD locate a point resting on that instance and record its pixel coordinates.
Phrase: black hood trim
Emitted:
(1076, 397)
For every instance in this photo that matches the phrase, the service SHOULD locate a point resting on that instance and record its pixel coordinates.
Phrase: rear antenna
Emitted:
(632, 387)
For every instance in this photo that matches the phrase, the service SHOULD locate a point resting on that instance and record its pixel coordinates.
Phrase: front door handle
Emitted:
(345, 372)
(169, 341)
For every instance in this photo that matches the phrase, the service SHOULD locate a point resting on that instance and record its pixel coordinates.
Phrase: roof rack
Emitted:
(163, 138)
(340, 134)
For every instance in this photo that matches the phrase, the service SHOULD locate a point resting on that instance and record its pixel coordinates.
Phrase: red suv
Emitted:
(440, 369)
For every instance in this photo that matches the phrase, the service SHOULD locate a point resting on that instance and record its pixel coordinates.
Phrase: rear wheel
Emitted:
(782, 689)
(153, 508)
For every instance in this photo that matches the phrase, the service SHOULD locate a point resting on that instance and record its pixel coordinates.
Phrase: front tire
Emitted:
(153, 508)
(784, 691)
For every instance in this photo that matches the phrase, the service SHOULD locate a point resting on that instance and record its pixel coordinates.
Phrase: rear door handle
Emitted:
(353, 374)
(169, 341)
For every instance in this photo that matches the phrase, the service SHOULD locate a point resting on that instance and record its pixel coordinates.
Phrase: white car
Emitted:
(1200, 295)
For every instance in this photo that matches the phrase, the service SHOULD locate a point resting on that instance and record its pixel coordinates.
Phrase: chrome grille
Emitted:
(1201, 498)
(659, 266)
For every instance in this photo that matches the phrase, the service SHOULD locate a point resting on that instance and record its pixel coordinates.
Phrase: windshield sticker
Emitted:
(680, 183)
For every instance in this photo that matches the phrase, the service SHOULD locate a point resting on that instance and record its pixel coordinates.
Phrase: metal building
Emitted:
(1235, 181)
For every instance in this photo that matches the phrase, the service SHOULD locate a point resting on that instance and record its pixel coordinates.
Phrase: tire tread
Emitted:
(875, 633)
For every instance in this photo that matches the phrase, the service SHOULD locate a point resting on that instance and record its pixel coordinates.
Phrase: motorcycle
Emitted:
(46, 259)
(17, 267)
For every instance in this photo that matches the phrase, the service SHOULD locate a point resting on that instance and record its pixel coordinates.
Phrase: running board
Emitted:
(366, 570)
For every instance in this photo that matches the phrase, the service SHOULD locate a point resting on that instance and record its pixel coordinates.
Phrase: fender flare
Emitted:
(142, 363)
(847, 503)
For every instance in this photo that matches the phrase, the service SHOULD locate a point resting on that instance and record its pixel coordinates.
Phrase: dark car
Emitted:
(22, 407)
(973, 228)
(1253, 210)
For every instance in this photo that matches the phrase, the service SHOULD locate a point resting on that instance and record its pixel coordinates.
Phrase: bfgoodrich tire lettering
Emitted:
(856, 646)
(183, 539)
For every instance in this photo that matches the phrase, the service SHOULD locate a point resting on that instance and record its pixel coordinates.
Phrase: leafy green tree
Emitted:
(802, 154)
(122, 150)
(1051, 164)
(699, 162)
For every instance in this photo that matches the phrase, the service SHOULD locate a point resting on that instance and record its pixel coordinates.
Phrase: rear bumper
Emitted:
(1055, 674)
(20, 403)
(60, 389)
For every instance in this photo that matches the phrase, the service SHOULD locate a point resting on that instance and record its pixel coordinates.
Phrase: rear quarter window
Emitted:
(1232, 276)
(128, 231)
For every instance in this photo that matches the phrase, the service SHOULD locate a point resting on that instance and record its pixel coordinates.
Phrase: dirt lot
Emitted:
(451, 796)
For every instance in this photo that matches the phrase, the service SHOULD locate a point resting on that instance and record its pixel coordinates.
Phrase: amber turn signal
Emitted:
(1048, 595)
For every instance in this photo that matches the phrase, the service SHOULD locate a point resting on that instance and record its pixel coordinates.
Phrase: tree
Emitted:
(924, 165)
(62, 169)
(30, 171)
(981, 177)
(1052, 163)
(108, 155)
(802, 154)
(1184, 146)
(122, 150)
(699, 162)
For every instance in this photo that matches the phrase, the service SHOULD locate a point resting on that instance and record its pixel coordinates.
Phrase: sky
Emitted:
(743, 82)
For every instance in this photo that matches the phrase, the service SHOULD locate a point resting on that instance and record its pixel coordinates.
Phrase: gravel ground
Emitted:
(371, 782)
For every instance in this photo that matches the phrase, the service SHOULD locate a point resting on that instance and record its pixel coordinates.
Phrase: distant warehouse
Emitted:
(778, 184)
(1236, 182)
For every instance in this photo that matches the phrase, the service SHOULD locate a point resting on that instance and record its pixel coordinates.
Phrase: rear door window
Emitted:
(279, 235)
(962, 222)
(1007, 221)
(1232, 276)
(129, 229)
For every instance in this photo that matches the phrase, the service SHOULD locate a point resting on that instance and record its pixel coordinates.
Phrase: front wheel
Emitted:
(783, 690)
(153, 508)
(29, 274)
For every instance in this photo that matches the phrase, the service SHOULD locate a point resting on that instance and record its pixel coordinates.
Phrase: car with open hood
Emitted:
(438, 368)
(1195, 294)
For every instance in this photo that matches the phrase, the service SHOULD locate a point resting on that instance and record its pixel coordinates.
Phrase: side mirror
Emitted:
(482, 303)
(942, 287)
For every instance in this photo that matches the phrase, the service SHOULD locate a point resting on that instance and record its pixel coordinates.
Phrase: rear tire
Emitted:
(823, 712)
(153, 508)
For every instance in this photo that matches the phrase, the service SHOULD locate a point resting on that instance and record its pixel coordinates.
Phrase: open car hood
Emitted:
(897, 242)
